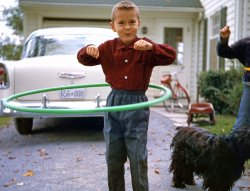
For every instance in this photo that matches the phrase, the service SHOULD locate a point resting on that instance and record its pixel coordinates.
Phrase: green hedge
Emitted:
(222, 88)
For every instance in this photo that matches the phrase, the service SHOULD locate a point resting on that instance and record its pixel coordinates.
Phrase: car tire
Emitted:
(23, 125)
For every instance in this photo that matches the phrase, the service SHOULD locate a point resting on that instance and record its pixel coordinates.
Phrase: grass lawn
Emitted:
(223, 124)
(4, 121)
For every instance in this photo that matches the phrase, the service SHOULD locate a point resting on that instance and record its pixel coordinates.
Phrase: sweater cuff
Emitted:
(224, 41)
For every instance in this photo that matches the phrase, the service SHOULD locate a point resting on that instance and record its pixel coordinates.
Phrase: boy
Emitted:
(241, 51)
(127, 63)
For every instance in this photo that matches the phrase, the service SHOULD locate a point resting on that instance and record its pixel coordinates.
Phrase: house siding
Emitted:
(238, 15)
(238, 18)
(213, 6)
(246, 17)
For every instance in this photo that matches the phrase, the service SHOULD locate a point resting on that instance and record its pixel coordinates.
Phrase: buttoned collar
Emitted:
(121, 45)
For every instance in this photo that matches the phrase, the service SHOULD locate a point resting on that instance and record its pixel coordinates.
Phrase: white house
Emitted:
(191, 26)
(179, 23)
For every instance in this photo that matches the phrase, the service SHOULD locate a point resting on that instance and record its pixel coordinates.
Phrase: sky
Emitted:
(4, 30)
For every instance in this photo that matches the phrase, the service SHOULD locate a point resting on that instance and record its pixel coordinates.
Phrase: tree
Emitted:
(14, 19)
(10, 49)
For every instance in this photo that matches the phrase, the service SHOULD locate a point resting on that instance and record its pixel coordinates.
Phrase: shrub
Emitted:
(222, 88)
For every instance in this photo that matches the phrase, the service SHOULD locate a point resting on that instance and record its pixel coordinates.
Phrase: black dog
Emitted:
(218, 159)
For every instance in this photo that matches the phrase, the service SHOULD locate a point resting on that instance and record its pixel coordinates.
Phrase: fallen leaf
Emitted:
(29, 173)
(42, 152)
(13, 181)
(241, 187)
(150, 153)
(169, 134)
(78, 159)
(157, 171)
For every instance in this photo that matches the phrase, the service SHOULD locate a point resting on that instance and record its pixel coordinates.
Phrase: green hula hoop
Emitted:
(5, 101)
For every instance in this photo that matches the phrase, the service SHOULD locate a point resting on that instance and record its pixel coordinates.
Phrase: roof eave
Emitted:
(144, 8)
(173, 9)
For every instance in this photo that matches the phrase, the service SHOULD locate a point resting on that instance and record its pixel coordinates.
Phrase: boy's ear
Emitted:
(112, 26)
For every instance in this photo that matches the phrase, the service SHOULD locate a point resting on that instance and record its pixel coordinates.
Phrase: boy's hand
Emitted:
(225, 32)
(142, 45)
(92, 51)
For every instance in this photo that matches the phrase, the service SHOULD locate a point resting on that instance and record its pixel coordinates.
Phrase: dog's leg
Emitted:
(177, 167)
(178, 179)
(188, 175)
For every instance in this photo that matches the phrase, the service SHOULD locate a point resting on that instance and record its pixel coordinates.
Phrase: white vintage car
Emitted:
(49, 60)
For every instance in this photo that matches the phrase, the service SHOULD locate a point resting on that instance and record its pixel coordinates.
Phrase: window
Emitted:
(218, 20)
(174, 37)
(215, 28)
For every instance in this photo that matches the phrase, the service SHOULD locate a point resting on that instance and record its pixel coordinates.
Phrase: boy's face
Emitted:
(126, 24)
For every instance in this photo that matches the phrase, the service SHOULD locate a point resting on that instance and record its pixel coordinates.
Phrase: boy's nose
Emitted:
(127, 26)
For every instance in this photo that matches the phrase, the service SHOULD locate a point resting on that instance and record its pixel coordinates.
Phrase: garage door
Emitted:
(65, 22)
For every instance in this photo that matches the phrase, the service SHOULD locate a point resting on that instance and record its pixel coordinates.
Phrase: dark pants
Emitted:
(125, 134)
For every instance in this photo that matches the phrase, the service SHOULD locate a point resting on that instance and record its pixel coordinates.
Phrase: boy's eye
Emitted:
(133, 22)
(121, 22)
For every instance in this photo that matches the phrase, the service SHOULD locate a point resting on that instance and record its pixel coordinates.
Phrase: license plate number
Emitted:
(72, 93)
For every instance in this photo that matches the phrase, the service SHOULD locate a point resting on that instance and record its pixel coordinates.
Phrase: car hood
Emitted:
(55, 71)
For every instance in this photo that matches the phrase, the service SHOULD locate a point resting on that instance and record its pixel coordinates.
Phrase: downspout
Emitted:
(199, 53)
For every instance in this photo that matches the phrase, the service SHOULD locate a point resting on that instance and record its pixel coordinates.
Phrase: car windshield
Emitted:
(60, 44)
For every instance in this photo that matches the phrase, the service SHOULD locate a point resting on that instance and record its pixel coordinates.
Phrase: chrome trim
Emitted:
(45, 101)
(98, 100)
(71, 75)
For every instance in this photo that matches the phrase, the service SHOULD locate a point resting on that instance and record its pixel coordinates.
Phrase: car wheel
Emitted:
(23, 125)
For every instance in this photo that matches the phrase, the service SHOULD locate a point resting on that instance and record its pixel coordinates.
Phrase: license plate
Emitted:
(72, 93)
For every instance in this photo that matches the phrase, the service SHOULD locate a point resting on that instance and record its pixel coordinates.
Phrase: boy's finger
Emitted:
(96, 54)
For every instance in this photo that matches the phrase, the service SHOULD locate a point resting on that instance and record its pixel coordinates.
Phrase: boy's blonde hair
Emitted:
(124, 5)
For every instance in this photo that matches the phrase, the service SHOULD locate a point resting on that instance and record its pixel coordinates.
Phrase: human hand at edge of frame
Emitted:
(143, 45)
(225, 32)
(93, 51)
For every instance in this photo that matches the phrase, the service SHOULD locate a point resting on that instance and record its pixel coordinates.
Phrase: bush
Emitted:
(222, 88)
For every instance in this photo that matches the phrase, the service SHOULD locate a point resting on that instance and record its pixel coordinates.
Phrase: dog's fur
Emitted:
(218, 159)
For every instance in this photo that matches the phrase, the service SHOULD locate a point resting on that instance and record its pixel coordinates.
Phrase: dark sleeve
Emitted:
(85, 59)
(236, 50)
(224, 50)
